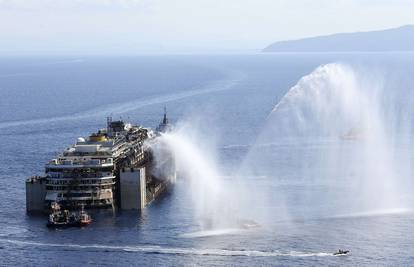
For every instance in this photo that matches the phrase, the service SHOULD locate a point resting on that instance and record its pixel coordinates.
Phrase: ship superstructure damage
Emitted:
(110, 168)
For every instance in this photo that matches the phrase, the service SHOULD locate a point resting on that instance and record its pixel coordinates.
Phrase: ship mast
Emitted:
(165, 120)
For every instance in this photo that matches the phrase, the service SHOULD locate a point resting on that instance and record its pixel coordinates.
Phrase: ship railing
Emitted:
(35, 179)
(78, 164)
(85, 191)
(73, 160)
(68, 181)
(82, 195)
(90, 161)
(80, 154)
(81, 175)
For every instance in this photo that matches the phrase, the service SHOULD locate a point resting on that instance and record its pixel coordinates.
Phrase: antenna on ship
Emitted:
(165, 120)
(108, 125)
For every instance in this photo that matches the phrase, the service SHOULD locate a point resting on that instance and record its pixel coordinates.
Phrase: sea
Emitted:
(297, 194)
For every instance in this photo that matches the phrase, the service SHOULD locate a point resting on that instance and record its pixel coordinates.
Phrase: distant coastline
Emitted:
(390, 40)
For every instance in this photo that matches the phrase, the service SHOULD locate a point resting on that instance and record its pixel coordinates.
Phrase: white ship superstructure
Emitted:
(105, 169)
(84, 173)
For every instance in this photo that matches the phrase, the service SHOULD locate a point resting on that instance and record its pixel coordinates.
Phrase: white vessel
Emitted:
(89, 173)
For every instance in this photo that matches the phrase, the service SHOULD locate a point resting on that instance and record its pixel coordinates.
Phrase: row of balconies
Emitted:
(79, 175)
(107, 180)
(89, 189)
(86, 195)
(80, 154)
(84, 162)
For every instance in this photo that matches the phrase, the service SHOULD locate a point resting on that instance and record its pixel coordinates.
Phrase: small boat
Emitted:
(84, 218)
(341, 252)
(66, 218)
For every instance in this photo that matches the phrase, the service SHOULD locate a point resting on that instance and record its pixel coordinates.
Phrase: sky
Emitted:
(183, 26)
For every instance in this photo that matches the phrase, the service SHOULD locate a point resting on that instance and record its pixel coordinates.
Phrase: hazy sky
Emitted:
(142, 26)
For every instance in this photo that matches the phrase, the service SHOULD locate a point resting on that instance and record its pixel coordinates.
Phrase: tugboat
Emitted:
(65, 218)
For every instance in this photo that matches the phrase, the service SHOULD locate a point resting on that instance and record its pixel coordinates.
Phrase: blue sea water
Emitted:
(46, 103)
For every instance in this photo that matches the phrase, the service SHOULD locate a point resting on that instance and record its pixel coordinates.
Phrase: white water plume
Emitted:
(328, 102)
(216, 202)
(331, 146)
(340, 126)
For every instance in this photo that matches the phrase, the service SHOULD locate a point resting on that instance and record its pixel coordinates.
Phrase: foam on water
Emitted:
(12, 230)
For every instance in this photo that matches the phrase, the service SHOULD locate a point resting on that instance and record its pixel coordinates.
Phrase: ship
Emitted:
(111, 168)
(65, 218)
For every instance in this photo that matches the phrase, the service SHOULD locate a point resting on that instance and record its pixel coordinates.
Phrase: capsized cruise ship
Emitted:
(109, 168)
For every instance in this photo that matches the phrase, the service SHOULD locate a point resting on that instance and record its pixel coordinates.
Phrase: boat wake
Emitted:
(171, 250)
(36, 73)
(121, 108)
(68, 61)
(12, 230)
(18, 74)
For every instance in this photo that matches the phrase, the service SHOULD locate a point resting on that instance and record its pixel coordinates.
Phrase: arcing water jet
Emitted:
(337, 123)
(216, 202)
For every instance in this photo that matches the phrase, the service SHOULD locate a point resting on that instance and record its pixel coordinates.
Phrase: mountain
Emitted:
(396, 39)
